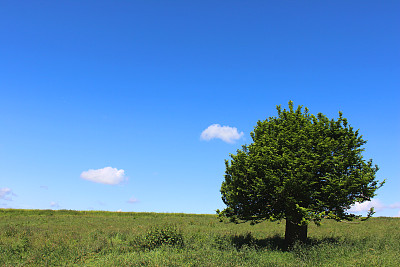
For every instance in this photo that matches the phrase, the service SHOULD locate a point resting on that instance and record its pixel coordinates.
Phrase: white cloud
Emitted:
(360, 208)
(107, 175)
(398, 214)
(367, 205)
(132, 200)
(6, 193)
(54, 204)
(225, 133)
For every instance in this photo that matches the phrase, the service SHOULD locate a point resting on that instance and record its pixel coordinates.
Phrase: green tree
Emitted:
(300, 168)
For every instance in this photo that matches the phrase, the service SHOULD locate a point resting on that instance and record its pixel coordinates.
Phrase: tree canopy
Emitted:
(301, 168)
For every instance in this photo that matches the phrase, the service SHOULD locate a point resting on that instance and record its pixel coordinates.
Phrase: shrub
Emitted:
(167, 235)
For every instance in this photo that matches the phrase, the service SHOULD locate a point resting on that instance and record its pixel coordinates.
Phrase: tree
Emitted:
(300, 168)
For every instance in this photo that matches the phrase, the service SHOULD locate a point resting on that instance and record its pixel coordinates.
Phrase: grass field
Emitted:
(45, 237)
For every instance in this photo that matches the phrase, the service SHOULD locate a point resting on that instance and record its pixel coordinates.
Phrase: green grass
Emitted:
(90, 238)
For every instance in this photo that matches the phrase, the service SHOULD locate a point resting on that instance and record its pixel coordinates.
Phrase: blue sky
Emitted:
(103, 103)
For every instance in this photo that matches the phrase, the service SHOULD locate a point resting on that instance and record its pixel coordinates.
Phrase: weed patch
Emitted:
(168, 235)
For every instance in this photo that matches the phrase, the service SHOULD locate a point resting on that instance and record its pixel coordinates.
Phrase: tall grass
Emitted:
(46, 237)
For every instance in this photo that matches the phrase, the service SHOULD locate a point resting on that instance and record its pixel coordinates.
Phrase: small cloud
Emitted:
(398, 214)
(6, 193)
(367, 205)
(107, 175)
(132, 200)
(120, 210)
(376, 204)
(225, 133)
(44, 187)
(54, 204)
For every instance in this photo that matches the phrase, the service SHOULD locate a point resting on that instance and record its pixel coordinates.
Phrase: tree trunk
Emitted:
(294, 232)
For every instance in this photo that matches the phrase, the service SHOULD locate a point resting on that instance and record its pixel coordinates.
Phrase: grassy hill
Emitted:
(94, 238)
